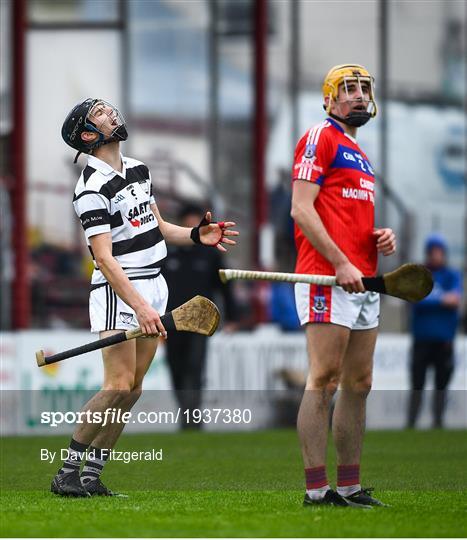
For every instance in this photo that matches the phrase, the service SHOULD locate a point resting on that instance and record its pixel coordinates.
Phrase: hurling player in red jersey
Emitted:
(333, 209)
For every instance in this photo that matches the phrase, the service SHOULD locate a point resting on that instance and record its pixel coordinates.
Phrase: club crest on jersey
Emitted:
(309, 151)
(126, 318)
(319, 305)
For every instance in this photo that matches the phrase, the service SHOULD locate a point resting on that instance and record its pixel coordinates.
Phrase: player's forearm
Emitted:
(310, 223)
(119, 281)
(174, 234)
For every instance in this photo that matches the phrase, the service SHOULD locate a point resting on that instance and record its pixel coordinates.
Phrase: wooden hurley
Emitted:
(411, 282)
(198, 315)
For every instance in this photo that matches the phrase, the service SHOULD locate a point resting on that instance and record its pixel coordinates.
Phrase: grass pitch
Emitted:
(240, 485)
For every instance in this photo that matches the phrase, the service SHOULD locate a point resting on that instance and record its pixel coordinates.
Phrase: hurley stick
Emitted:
(411, 282)
(198, 315)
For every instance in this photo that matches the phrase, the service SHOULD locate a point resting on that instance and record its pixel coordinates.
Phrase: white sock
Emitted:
(346, 491)
(317, 494)
(93, 466)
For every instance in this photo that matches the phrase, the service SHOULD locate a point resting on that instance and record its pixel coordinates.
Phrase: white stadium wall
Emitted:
(63, 69)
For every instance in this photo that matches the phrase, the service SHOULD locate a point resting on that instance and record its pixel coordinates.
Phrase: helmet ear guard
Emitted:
(343, 74)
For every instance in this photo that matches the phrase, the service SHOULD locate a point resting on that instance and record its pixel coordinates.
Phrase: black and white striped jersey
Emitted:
(108, 201)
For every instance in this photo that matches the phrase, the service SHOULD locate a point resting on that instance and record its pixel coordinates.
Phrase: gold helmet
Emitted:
(343, 74)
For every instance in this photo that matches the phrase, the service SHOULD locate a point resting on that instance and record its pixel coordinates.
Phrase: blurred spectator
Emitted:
(192, 270)
(434, 323)
(280, 201)
(282, 307)
(59, 290)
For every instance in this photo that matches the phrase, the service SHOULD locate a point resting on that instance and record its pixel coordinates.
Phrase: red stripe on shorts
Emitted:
(327, 293)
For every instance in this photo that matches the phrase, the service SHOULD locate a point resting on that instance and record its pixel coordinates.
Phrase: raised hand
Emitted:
(216, 234)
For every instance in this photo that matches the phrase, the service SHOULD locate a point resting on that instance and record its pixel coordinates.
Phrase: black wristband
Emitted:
(194, 235)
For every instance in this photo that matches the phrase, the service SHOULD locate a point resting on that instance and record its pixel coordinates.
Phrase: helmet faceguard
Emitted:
(344, 75)
(91, 115)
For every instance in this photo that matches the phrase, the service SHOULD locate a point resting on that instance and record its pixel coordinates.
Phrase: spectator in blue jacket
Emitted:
(434, 323)
(282, 308)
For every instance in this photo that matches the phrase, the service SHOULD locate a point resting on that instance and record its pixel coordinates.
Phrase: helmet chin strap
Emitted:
(119, 134)
(354, 119)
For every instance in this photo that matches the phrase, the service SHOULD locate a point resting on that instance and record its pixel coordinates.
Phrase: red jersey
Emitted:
(329, 157)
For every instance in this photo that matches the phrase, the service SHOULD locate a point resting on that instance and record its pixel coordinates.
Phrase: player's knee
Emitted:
(137, 389)
(328, 380)
(361, 385)
(135, 394)
(121, 385)
(331, 387)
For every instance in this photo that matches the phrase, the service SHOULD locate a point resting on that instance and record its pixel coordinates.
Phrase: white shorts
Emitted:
(107, 311)
(320, 304)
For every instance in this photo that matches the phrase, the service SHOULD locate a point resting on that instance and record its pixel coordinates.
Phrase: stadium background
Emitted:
(215, 94)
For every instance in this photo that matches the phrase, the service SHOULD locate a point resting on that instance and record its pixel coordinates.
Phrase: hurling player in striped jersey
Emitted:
(126, 235)
(333, 208)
